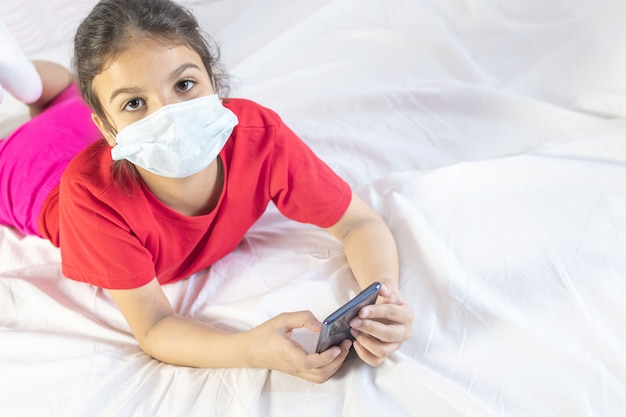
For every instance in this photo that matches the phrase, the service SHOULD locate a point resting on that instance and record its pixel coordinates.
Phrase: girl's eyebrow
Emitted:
(123, 90)
(176, 73)
(134, 90)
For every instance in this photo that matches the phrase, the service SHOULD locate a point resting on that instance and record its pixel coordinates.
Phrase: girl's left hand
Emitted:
(381, 329)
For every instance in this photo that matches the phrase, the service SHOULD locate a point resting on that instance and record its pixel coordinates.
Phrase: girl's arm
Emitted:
(372, 255)
(174, 339)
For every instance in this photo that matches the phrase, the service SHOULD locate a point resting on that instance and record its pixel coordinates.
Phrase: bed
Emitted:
(491, 136)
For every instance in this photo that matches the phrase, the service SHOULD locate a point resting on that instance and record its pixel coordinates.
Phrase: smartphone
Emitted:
(336, 327)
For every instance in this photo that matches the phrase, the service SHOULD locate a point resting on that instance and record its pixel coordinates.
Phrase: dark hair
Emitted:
(114, 25)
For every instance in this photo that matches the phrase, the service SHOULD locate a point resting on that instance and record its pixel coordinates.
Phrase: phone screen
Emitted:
(336, 327)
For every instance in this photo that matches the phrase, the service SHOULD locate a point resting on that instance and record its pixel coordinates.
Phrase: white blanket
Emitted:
(489, 135)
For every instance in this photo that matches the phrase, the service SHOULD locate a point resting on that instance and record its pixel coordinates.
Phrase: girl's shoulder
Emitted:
(91, 169)
(251, 113)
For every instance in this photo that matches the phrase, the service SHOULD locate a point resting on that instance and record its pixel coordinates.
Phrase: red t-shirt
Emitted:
(119, 240)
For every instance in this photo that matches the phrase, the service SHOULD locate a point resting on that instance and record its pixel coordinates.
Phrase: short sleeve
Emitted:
(303, 187)
(97, 245)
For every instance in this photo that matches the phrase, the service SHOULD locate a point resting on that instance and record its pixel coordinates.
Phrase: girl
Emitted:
(181, 174)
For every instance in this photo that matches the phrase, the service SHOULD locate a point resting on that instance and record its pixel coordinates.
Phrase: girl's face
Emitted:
(146, 77)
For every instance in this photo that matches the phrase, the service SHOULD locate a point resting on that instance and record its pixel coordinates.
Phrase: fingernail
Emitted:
(364, 312)
(356, 323)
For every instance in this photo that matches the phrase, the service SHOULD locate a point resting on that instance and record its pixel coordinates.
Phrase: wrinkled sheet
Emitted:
(489, 135)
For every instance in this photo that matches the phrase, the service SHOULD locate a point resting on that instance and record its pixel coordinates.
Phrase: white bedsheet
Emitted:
(491, 137)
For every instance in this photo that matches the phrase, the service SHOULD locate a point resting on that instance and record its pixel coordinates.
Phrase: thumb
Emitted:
(388, 295)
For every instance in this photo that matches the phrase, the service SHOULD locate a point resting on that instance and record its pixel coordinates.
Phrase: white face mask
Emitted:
(179, 139)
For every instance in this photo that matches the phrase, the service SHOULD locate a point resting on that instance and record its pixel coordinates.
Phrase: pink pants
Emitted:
(33, 157)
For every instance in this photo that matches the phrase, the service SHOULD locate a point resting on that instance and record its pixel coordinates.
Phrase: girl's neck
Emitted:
(195, 195)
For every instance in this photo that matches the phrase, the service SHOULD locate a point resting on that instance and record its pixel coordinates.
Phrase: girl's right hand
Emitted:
(270, 346)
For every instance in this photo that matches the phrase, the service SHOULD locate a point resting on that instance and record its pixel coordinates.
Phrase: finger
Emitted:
(367, 356)
(318, 360)
(323, 374)
(338, 358)
(391, 313)
(385, 332)
(311, 370)
(331, 354)
(371, 350)
(390, 296)
(298, 320)
(385, 291)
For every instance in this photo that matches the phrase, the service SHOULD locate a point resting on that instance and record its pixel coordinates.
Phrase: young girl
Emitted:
(180, 176)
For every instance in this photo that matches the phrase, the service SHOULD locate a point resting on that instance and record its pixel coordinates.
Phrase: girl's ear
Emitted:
(110, 138)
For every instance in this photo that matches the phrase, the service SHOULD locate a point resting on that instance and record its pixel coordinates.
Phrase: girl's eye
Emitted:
(185, 85)
(133, 104)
